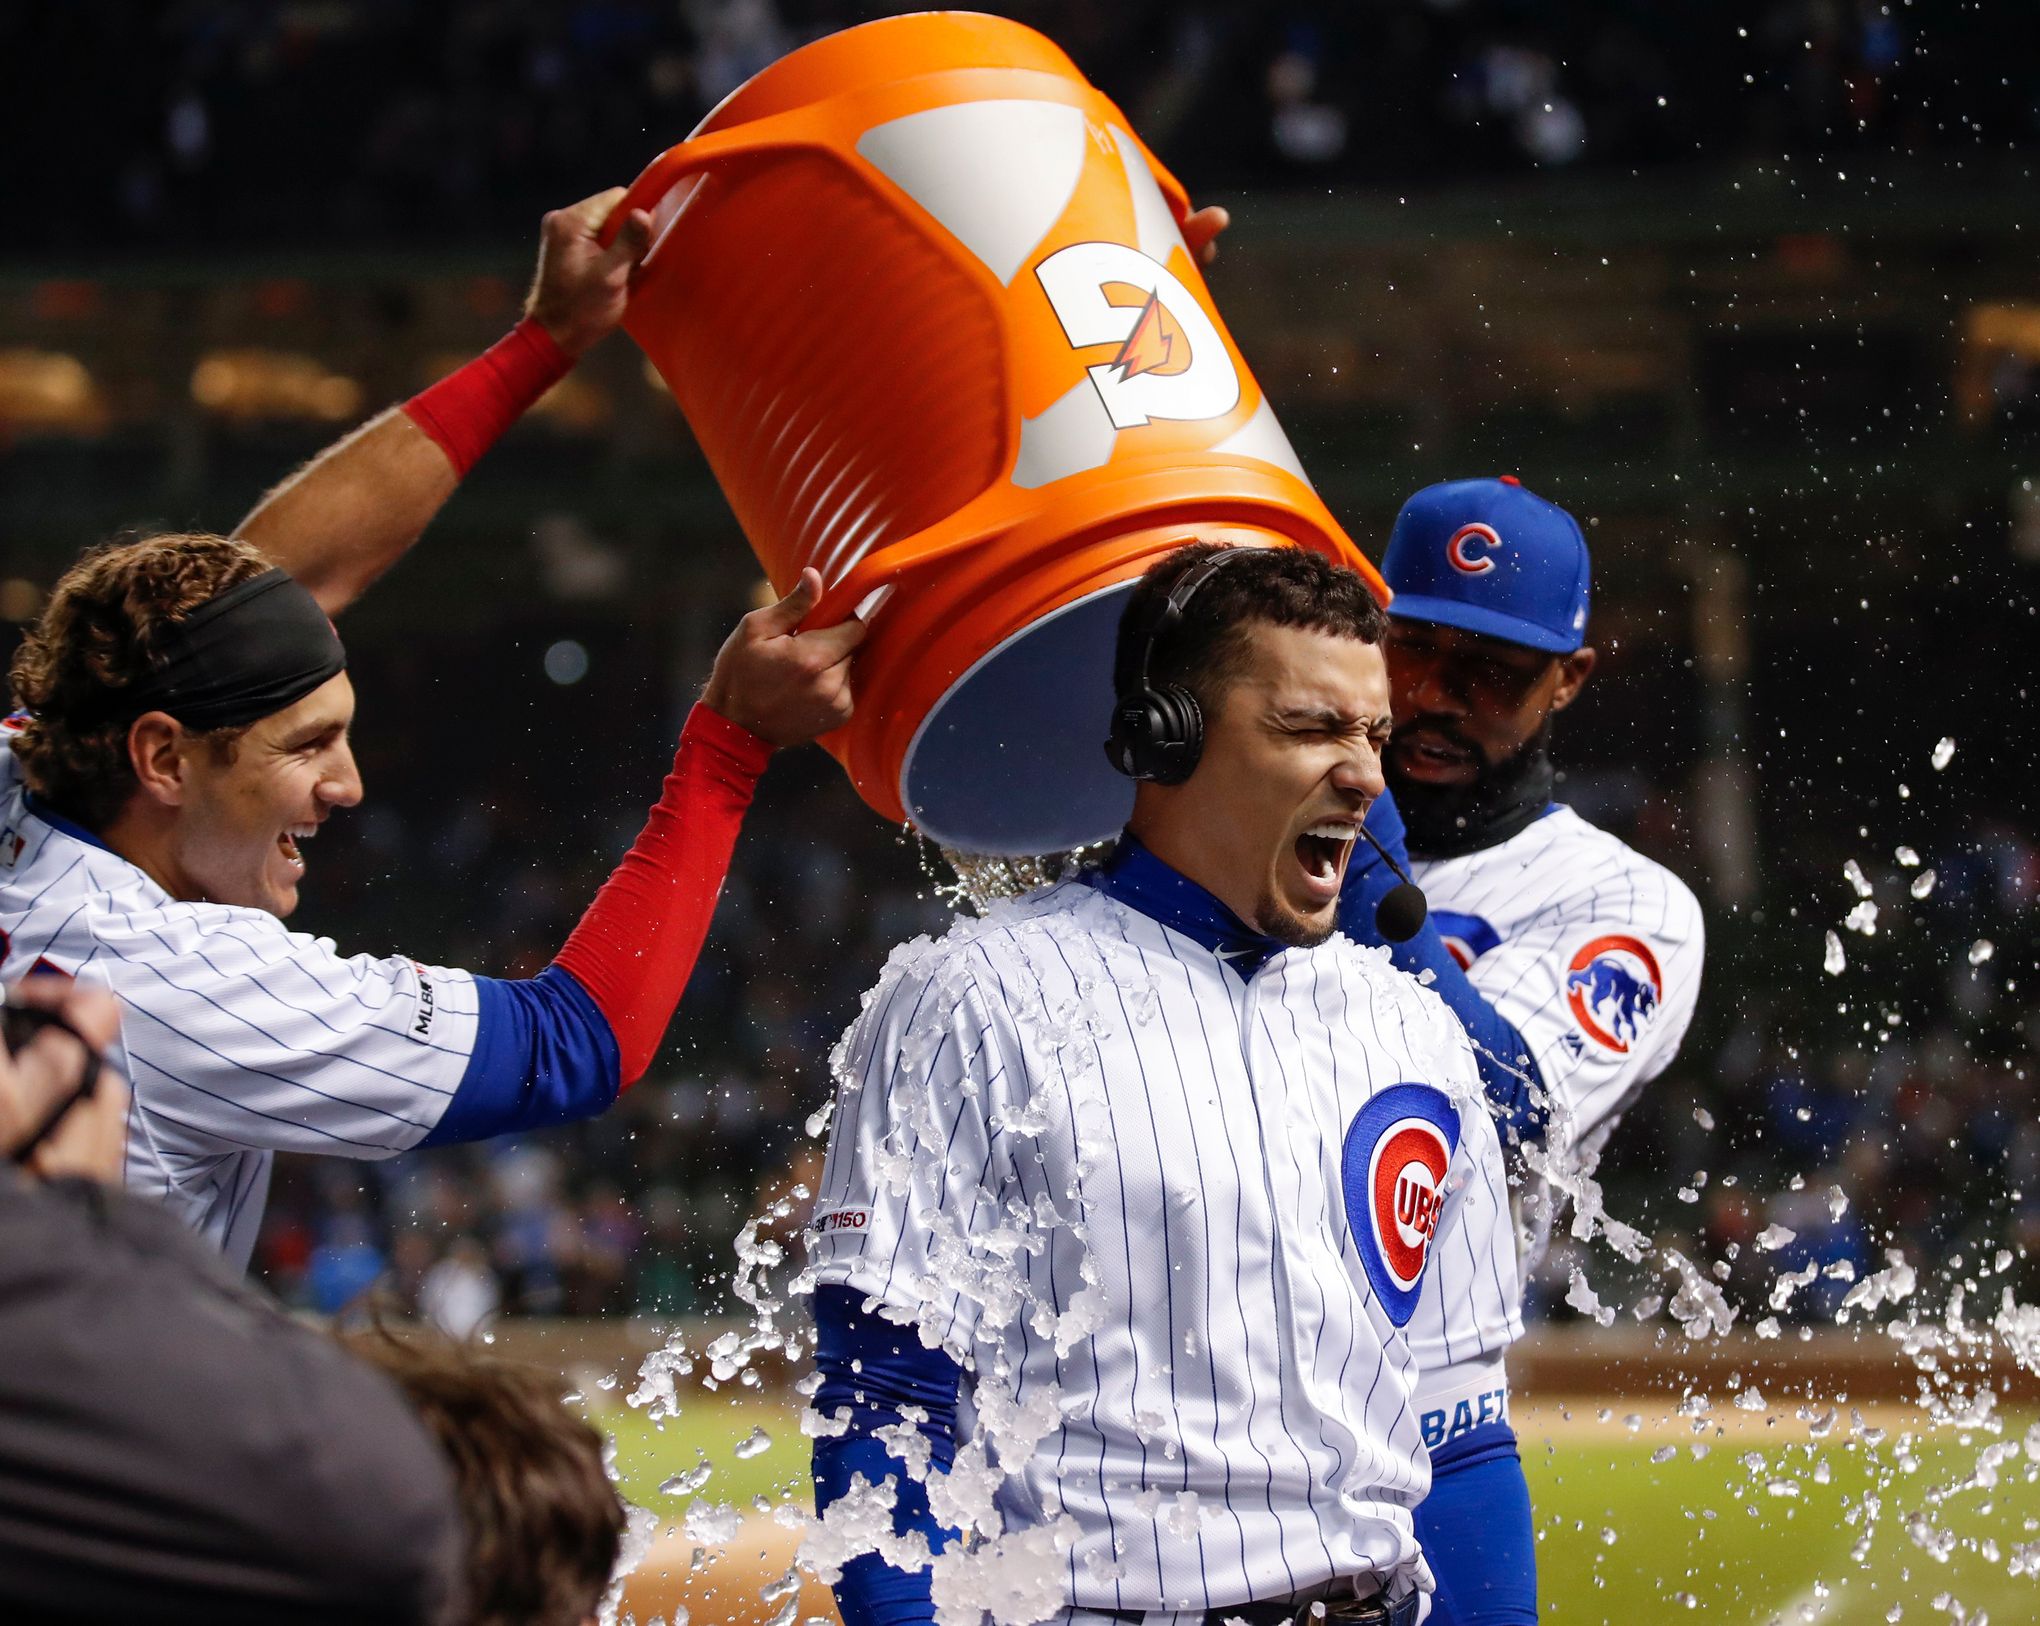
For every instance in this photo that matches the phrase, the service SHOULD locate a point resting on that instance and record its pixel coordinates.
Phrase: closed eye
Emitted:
(1334, 726)
(317, 740)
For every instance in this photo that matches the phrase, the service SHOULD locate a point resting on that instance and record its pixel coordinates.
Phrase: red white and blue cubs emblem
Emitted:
(1469, 546)
(1395, 1159)
(1614, 987)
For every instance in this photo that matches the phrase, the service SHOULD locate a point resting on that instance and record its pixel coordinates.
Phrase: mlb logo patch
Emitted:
(1614, 987)
(1395, 1159)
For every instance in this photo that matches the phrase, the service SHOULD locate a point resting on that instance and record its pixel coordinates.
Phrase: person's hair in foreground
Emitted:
(92, 644)
(544, 1524)
(1206, 647)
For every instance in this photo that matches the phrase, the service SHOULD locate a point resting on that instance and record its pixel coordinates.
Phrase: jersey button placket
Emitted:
(1271, 1114)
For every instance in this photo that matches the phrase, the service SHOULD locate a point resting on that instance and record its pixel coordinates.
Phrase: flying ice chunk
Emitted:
(712, 1524)
(756, 1443)
(1700, 1307)
(1922, 884)
(1018, 1579)
(859, 1521)
(641, 1529)
(1789, 1282)
(1774, 1237)
(1833, 961)
(905, 1441)
(1852, 872)
(1887, 1286)
(688, 1483)
(1907, 858)
(1944, 753)
(1582, 1297)
(1980, 950)
(1863, 918)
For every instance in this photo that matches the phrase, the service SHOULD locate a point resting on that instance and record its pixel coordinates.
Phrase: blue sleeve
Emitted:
(1507, 1069)
(543, 1055)
(873, 1369)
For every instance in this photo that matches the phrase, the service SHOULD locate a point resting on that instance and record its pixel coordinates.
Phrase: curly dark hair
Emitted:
(91, 643)
(1207, 649)
(544, 1524)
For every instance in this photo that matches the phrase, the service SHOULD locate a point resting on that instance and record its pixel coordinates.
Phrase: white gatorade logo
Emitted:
(1171, 362)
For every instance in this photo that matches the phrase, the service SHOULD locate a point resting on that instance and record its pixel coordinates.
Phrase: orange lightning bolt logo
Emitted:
(1156, 344)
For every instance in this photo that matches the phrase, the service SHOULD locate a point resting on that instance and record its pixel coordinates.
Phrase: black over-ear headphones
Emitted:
(1158, 732)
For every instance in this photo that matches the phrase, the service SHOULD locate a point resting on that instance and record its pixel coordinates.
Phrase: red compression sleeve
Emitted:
(466, 411)
(635, 947)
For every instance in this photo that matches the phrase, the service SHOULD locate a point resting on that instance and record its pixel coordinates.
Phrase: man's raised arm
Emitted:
(351, 512)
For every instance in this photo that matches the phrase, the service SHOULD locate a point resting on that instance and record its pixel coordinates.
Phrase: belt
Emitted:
(1288, 1612)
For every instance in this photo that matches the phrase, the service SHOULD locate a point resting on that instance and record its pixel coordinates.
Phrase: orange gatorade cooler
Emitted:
(925, 301)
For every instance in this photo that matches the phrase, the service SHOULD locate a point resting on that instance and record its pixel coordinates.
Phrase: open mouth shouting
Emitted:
(289, 841)
(1321, 854)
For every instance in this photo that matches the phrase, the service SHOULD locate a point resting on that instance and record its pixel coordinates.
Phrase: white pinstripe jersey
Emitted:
(239, 1037)
(1593, 953)
(1112, 1176)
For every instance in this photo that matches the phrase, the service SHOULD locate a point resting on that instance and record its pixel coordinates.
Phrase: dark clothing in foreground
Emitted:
(174, 1448)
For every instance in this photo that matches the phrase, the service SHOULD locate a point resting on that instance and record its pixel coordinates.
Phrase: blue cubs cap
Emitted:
(1487, 556)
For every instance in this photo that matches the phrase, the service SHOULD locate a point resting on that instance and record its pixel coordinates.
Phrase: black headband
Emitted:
(256, 648)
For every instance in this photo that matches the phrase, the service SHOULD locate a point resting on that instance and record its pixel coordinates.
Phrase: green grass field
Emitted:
(1713, 1530)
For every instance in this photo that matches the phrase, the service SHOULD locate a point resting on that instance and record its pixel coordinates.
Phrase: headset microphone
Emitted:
(1401, 913)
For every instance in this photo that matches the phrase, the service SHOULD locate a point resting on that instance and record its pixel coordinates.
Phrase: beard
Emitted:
(1446, 821)
(1275, 919)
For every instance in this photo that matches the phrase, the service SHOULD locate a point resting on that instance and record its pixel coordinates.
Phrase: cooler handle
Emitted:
(780, 133)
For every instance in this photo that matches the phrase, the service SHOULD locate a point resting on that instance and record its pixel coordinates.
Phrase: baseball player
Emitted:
(1131, 1184)
(185, 735)
(1572, 960)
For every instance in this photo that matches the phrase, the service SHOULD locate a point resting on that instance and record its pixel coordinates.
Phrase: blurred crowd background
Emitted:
(254, 121)
(1748, 287)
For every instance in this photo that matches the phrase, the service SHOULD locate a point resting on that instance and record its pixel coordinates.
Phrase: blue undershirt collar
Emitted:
(1137, 878)
(56, 821)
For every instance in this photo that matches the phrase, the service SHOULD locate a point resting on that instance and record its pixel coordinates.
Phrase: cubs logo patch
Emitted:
(1394, 1162)
(1614, 988)
(1467, 937)
(1469, 546)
